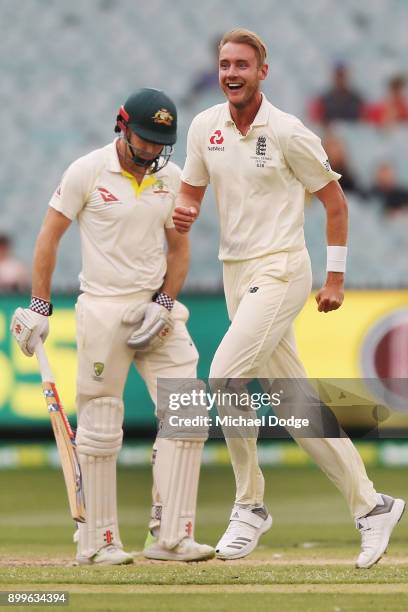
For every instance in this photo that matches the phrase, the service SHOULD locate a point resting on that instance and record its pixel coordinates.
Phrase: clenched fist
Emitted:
(331, 296)
(183, 218)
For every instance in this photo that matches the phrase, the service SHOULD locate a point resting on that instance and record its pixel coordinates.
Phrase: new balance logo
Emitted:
(253, 289)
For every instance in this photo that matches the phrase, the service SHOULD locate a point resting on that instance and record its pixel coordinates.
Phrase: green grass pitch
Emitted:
(305, 562)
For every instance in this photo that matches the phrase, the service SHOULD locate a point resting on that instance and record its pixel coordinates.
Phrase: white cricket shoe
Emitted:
(243, 532)
(186, 550)
(376, 528)
(108, 555)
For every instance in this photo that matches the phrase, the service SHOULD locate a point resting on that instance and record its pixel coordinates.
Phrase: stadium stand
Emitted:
(69, 66)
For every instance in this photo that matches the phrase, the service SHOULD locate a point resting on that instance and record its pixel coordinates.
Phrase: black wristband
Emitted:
(164, 300)
(41, 306)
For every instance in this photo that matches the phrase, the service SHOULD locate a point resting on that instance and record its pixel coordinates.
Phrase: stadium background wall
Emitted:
(344, 344)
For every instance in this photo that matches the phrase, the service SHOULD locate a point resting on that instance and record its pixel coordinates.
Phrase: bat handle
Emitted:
(45, 369)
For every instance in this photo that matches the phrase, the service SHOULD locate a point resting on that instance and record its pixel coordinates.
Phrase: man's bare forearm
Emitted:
(45, 257)
(177, 268)
(334, 201)
(337, 230)
(335, 204)
(337, 222)
(331, 295)
(45, 252)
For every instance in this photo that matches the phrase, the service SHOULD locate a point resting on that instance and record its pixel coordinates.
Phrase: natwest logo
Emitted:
(217, 138)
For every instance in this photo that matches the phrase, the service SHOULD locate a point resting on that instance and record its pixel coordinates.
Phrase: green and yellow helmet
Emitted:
(151, 115)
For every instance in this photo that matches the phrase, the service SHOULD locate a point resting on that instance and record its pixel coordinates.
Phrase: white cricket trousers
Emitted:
(264, 296)
(102, 337)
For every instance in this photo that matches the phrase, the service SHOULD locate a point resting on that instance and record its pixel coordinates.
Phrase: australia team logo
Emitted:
(98, 368)
(163, 117)
(160, 187)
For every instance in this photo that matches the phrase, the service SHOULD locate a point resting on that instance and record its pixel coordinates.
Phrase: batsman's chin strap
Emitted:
(151, 164)
(154, 164)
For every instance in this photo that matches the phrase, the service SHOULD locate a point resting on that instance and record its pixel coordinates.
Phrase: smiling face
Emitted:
(240, 73)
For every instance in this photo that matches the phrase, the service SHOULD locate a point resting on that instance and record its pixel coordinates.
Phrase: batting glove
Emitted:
(156, 324)
(29, 326)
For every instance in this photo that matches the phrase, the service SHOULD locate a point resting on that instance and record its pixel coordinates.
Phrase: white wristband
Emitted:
(336, 258)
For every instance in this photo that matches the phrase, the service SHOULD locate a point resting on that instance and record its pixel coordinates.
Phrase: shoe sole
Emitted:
(90, 562)
(177, 557)
(125, 562)
(399, 503)
(239, 555)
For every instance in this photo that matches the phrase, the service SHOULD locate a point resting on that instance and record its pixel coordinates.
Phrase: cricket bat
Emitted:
(64, 437)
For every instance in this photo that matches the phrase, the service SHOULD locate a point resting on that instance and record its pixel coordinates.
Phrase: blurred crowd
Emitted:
(385, 188)
(341, 101)
(14, 276)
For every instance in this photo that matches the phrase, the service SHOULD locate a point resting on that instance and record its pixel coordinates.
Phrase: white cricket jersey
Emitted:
(122, 224)
(260, 180)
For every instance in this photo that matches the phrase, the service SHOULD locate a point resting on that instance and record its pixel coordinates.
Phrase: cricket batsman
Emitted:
(261, 162)
(134, 264)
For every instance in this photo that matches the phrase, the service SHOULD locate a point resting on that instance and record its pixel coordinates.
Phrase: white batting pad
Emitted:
(176, 473)
(99, 439)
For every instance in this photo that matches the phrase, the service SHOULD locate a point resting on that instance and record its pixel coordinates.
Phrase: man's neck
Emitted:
(138, 173)
(243, 117)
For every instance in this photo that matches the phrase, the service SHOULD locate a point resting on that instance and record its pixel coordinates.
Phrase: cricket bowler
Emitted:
(134, 264)
(261, 163)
